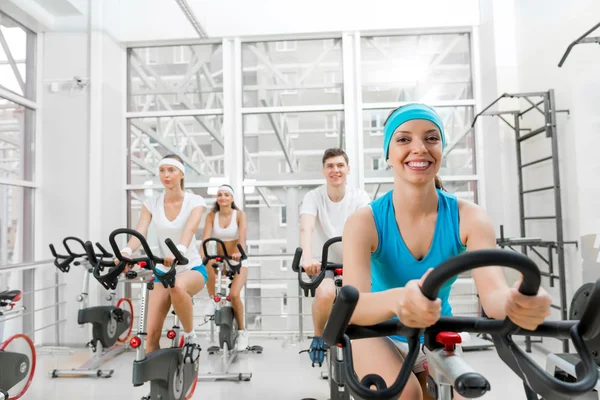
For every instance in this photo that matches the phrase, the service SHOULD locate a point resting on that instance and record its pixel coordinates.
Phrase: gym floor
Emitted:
(279, 372)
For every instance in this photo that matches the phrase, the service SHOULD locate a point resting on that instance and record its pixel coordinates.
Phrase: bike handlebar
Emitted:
(337, 331)
(166, 278)
(316, 281)
(223, 257)
(63, 262)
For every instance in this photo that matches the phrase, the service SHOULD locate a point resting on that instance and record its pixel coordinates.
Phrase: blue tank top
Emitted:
(392, 264)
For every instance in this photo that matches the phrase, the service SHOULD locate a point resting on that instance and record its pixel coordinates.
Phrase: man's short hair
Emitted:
(334, 152)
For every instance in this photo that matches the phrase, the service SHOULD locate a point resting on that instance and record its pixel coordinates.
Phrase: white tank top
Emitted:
(229, 233)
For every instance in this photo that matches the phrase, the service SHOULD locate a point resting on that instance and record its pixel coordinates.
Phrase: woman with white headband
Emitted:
(389, 247)
(176, 215)
(228, 223)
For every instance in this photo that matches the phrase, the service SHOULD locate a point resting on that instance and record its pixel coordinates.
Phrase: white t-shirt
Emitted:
(331, 217)
(173, 229)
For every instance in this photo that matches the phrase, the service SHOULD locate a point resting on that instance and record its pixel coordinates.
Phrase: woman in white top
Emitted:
(176, 214)
(228, 223)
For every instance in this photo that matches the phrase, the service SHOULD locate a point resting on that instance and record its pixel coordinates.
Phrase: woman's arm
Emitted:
(142, 227)
(191, 226)
(359, 240)
(490, 281)
(208, 226)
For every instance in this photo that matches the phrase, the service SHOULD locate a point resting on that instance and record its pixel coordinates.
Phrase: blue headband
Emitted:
(408, 113)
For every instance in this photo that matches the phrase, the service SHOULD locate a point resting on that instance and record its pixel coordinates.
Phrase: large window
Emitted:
(17, 141)
(280, 102)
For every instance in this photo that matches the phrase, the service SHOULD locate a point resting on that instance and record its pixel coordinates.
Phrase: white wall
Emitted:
(528, 39)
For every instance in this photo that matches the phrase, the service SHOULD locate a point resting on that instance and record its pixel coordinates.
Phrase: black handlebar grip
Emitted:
(65, 240)
(89, 250)
(589, 324)
(131, 232)
(103, 250)
(340, 315)
(53, 251)
(325, 252)
(483, 258)
(296, 260)
(243, 255)
(181, 260)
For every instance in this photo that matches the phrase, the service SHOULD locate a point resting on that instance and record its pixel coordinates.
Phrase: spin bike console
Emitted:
(313, 284)
(550, 388)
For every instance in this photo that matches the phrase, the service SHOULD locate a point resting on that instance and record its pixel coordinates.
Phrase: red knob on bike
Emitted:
(218, 259)
(217, 298)
(338, 271)
(171, 334)
(17, 297)
(449, 340)
(228, 298)
(135, 342)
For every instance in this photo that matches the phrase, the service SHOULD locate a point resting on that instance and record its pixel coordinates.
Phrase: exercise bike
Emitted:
(172, 374)
(224, 316)
(111, 324)
(336, 383)
(448, 371)
(17, 353)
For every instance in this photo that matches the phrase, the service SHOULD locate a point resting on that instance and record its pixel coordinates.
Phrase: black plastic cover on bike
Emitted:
(311, 286)
(235, 267)
(109, 280)
(337, 331)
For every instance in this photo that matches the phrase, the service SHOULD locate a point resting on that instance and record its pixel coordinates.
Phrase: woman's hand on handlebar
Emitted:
(313, 268)
(415, 310)
(236, 256)
(168, 261)
(527, 311)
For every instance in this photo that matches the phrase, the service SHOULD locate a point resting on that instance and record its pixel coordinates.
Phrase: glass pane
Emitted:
(14, 65)
(291, 73)
(273, 235)
(416, 68)
(176, 77)
(459, 160)
(290, 146)
(14, 201)
(466, 190)
(197, 140)
(17, 127)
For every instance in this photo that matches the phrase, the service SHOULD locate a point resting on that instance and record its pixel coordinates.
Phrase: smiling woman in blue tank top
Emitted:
(389, 247)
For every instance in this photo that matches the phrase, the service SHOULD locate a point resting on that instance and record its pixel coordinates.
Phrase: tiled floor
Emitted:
(278, 373)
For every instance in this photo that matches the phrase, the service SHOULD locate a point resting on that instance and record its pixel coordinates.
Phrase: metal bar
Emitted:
(538, 254)
(536, 161)
(549, 108)
(292, 109)
(530, 94)
(551, 266)
(575, 42)
(499, 113)
(189, 14)
(506, 122)
(174, 113)
(482, 112)
(12, 62)
(56, 309)
(45, 288)
(15, 98)
(532, 133)
(34, 264)
(537, 189)
(541, 217)
(47, 326)
(286, 152)
(17, 182)
(533, 105)
(30, 312)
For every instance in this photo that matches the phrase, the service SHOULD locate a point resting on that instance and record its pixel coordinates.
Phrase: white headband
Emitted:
(225, 188)
(173, 162)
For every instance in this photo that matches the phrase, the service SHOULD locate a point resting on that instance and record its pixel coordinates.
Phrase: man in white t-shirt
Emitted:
(323, 213)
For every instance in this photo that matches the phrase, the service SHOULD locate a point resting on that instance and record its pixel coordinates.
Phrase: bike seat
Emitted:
(10, 295)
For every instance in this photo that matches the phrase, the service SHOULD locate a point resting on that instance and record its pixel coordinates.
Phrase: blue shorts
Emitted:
(199, 268)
